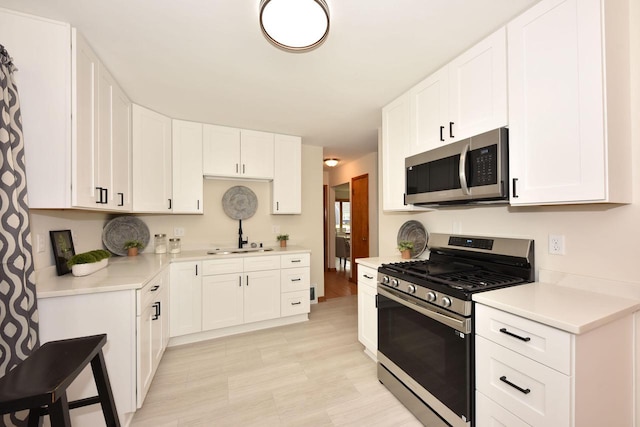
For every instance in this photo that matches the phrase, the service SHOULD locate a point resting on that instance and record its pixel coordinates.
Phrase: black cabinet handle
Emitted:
(155, 288)
(169, 203)
(240, 281)
(511, 334)
(451, 129)
(198, 204)
(441, 133)
(156, 315)
(296, 303)
(520, 389)
(367, 276)
(236, 168)
(106, 196)
(196, 269)
(277, 206)
(295, 280)
(247, 280)
(100, 194)
(515, 194)
(243, 168)
(121, 199)
(296, 260)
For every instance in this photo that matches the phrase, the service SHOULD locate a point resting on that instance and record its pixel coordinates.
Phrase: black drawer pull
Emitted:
(511, 334)
(441, 130)
(296, 260)
(520, 389)
(367, 276)
(296, 280)
(296, 303)
(155, 288)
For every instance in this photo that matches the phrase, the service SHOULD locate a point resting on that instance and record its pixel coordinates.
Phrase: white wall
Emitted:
(213, 228)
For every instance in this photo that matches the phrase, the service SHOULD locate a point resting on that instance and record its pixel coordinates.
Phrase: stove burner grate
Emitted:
(478, 279)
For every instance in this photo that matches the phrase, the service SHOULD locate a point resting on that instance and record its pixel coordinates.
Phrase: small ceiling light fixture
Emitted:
(331, 162)
(295, 25)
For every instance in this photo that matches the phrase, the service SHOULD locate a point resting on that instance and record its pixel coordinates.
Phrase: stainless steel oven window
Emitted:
(437, 356)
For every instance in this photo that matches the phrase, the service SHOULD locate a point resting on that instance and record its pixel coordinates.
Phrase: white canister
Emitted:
(160, 243)
(174, 246)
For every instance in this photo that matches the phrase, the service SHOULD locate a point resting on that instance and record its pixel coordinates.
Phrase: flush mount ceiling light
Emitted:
(331, 162)
(295, 25)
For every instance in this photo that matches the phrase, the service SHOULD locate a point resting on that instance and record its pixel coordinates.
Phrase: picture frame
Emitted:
(63, 250)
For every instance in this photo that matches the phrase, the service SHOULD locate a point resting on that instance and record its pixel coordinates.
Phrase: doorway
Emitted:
(359, 221)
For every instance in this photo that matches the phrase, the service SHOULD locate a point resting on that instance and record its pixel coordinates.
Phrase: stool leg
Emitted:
(34, 420)
(59, 412)
(101, 378)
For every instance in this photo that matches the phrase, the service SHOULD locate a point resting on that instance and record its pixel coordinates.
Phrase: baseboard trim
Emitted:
(322, 299)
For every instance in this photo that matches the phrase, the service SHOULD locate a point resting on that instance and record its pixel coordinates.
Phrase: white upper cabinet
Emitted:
(152, 175)
(467, 97)
(237, 153)
(40, 49)
(569, 135)
(287, 175)
(187, 167)
(101, 134)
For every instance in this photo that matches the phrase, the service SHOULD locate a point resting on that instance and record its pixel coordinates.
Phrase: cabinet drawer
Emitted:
(490, 414)
(148, 293)
(543, 397)
(294, 279)
(259, 263)
(544, 344)
(296, 260)
(222, 266)
(367, 276)
(295, 303)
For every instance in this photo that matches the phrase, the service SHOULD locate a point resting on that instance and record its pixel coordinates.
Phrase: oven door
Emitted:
(429, 350)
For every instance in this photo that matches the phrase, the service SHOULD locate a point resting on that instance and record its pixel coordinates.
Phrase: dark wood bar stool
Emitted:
(40, 382)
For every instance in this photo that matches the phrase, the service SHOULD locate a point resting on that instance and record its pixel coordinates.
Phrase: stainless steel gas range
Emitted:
(425, 321)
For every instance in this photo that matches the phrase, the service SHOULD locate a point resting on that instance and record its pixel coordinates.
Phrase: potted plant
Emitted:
(88, 262)
(282, 238)
(133, 246)
(405, 247)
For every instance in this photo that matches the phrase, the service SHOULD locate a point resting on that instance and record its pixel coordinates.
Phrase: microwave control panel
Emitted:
(483, 164)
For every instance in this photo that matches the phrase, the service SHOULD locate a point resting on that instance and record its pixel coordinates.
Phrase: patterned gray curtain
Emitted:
(18, 310)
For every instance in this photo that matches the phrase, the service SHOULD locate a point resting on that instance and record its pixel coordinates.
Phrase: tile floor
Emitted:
(308, 374)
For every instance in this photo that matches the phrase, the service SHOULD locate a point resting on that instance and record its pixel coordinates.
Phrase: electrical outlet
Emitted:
(39, 243)
(556, 244)
(178, 231)
(275, 229)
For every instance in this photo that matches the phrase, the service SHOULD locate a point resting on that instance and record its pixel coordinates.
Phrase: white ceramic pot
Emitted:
(86, 269)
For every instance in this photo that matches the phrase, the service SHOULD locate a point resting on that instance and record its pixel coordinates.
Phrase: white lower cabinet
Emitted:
(367, 310)
(531, 374)
(153, 330)
(186, 295)
(295, 282)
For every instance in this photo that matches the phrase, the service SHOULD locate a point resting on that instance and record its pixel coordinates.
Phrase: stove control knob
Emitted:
(385, 280)
(395, 283)
(446, 302)
(431, 296)
(411, 289)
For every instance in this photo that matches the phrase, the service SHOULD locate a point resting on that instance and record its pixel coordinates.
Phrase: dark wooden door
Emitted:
(359, 221)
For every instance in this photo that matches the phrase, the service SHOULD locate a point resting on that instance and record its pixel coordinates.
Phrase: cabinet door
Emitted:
(556, 110)
(430, 113)
(151, 161)
(221, 151)
(367, 317)
(489, 414)
(41, 50)
(145, 353)
(187, 167)
(185, 298)
(478, 88)
(256, 152)
(287, 175)
(396, 134)
(261, 295)
(121, 195)
(85, 142)
(222, 301)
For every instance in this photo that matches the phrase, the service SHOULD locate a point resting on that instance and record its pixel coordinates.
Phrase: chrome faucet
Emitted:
(240, 241)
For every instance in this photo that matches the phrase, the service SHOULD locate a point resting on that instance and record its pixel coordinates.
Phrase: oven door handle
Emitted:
(463, 326)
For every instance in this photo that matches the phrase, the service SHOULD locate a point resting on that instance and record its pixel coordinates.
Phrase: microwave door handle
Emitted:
(462, 170)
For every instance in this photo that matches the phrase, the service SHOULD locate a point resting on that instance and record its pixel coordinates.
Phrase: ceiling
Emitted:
(207, 61)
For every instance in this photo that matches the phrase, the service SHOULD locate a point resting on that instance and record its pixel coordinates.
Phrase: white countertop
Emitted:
(573, 310)
(126, 273)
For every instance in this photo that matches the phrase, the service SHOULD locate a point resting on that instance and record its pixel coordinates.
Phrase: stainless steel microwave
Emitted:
(472, 170)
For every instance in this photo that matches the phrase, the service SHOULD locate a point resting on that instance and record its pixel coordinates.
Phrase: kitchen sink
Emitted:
(237, 251)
